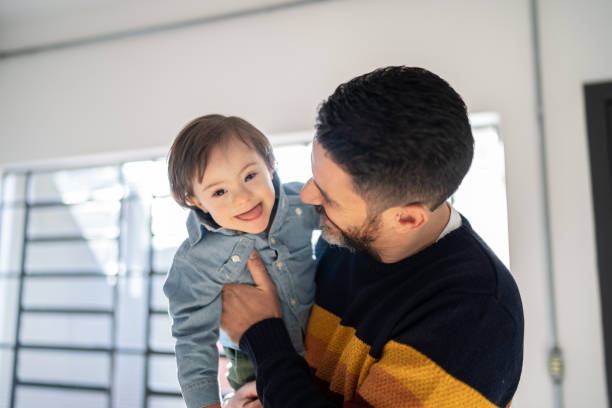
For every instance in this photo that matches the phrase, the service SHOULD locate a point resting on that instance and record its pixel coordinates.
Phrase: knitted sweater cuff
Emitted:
(266, 338)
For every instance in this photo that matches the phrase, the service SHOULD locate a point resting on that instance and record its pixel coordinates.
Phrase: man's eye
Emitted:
(219, 193)
(327, 202)
(250, 176)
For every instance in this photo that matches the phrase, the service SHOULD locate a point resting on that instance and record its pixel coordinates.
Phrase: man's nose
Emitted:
(310, 194)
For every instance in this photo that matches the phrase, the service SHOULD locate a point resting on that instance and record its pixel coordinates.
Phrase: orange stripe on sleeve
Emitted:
(382, 390)
(343, 360)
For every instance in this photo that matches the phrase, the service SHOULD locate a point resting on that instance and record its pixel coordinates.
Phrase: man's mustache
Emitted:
(320, 210)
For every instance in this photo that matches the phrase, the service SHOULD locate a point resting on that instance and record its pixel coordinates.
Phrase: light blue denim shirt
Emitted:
(212, 256)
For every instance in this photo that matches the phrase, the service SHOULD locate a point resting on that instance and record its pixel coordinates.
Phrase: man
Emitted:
(412, 308)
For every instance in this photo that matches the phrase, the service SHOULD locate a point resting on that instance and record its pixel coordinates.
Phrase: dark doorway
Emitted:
(598, 99)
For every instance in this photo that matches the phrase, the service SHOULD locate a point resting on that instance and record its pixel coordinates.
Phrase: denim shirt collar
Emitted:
(199, 222)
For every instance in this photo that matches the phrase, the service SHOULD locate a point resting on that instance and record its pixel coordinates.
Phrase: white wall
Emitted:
(576, 49)
(274, 69)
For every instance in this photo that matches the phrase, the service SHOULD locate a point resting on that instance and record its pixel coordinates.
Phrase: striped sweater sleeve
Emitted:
(283, 376)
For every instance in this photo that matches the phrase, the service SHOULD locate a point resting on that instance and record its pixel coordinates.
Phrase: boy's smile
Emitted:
(236, 188)
(251, 214)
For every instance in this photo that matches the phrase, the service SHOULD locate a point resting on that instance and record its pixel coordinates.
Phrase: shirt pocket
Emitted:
(234, 268)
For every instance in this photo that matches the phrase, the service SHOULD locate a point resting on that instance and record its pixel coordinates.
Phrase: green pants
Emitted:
(239, 369)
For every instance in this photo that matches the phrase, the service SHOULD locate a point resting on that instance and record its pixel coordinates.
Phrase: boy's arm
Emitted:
(195, 314)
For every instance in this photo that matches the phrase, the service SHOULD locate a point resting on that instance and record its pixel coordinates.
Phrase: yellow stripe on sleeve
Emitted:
(425, 380)
(322, 324)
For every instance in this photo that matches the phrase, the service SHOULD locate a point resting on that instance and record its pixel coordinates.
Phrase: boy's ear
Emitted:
(195, 202)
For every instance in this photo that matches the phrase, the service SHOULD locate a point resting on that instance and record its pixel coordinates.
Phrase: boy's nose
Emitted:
(310, 194)
(241, 197)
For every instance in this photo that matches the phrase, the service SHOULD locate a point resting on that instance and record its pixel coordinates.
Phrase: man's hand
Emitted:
(244, 305)
(245, 397)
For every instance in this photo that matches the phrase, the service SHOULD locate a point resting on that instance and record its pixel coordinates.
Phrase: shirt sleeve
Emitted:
(196, 313)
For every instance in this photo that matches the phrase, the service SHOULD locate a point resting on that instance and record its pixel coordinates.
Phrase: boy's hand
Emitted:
(244, 305)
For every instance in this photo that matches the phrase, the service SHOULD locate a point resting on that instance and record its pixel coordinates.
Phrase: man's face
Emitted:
(236, 189)
(344, 216)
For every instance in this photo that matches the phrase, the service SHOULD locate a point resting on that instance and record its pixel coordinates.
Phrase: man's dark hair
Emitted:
(401, 133)
(188, 156)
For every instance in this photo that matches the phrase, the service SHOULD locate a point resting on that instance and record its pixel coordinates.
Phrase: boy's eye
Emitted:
(250, 176)
(219, 193)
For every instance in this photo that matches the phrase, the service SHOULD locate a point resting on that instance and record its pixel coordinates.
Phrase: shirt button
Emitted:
(279, 264)
(298, 211)
(293, 302)
(272, 240)
(235, 258)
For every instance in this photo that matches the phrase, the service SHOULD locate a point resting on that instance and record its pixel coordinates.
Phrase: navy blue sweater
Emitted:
(443, 327)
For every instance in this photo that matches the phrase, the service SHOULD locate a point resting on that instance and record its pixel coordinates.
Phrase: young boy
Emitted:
(222, 168)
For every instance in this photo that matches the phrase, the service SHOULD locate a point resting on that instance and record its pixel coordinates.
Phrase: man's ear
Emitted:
(195, 202)
(411, 217)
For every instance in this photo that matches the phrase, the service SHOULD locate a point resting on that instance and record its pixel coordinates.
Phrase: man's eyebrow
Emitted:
(219, 182)
(323, 193)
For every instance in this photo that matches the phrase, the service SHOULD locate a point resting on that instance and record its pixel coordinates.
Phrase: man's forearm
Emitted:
(283, 376)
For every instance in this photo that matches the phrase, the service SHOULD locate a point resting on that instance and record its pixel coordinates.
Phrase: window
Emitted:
(83, 257)
(481, 197)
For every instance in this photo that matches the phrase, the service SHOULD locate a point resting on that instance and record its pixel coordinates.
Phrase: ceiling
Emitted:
(28, 24)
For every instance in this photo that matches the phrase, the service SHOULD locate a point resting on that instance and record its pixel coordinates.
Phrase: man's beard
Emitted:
(354, 238)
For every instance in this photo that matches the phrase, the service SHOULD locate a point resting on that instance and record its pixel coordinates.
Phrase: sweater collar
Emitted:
(424, 255)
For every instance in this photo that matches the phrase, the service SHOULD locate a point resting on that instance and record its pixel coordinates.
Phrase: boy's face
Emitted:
(236, 189)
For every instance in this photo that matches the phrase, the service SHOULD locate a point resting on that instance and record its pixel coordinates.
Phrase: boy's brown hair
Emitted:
(188, 156)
